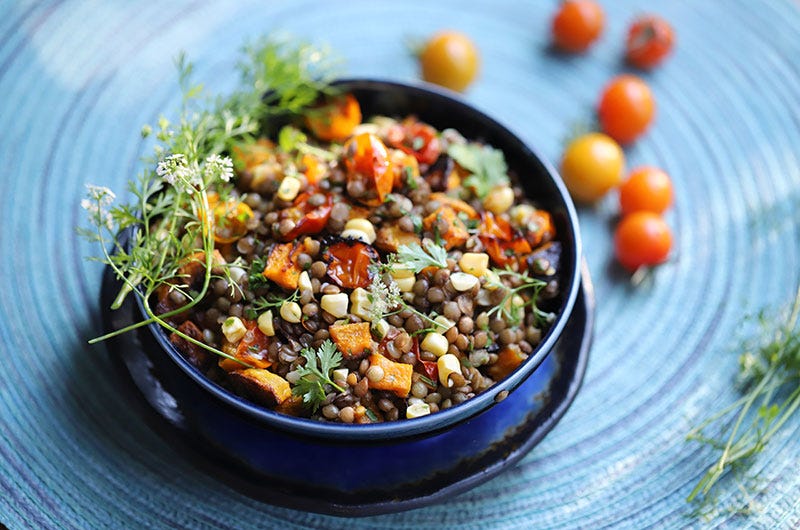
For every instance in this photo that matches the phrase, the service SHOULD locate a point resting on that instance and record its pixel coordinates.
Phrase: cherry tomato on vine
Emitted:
(649, 42)
(647, 189)
(592, 164)
(626, 108)
(449, 59)
(577, 24)
(640, 239)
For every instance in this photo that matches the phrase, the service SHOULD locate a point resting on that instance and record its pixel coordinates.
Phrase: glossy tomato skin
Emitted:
(450, 59)
(647, 189)
(626, 108)
(577, 24)
(592, 164)
(642, 239)
(650, 40)
(369, 173)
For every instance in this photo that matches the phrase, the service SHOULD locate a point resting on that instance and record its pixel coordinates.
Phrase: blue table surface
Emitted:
(79, 78)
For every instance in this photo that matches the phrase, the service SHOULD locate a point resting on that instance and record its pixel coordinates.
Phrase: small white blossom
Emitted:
(217, 167)
(383, 298)
(99, 198)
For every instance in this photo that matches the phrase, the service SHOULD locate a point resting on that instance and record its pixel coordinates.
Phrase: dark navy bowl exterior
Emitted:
(350, 464)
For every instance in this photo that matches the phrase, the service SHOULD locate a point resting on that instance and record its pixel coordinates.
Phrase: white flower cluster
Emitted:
(383, 298)
(177, 171)
(99, 198)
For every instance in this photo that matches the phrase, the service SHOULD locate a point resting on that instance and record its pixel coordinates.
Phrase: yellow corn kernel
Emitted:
(436, 343)
(289, 188)
(443, 323)
(335, 304)
(360, 304)
(304, 282)
(381, 327)
(234, 329)
(406, 285)
(499, 199)
(448, 364)
(462, 281)
(264, 323)
(361, 225)
(417, 409)
(475, 263)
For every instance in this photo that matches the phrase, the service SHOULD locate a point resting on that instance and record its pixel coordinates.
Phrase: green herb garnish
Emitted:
(414, 258)
(514, 313)
(487, 166)
(769, 373)
(315, 374)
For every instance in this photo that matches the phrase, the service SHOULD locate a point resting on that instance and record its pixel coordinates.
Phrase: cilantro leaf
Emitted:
(415, 258)
(315, 374)
(487, 166)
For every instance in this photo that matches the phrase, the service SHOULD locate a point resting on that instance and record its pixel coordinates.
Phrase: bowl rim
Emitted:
(403, 428)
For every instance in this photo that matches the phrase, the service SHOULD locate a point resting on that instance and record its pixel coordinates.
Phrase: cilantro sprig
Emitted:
(415, 258)
(487, 166)
(314, 376)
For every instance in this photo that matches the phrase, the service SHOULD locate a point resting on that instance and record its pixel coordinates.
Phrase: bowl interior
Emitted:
(541, 183)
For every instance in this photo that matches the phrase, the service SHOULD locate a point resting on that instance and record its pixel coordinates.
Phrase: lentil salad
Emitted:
(372, 271)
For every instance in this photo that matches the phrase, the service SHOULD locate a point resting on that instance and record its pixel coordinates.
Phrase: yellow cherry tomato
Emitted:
(591, 166)
(449, 59)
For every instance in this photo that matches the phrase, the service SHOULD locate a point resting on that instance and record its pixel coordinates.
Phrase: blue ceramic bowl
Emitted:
(367, 469)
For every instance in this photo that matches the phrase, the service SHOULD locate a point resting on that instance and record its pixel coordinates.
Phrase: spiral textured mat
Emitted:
(78, 79)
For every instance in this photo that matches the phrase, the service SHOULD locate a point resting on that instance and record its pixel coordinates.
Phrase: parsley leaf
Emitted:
(487, 166)
(315, 374)
(413, 256)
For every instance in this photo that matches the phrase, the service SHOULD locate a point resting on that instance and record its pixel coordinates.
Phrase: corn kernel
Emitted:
(443, 323)
(399, 274)
(359, 303)
(521, 213)
(335, 304)
(417, 410)
(381, 328)
(462, 281)
(475, 263)
(233, 328)
(448, 364)
(304, 282)
(499, 199)
(289, 188)
(436, 343)
(291, 312)
(362, 225)
(352, 233)
(406, 285)
(265, 323)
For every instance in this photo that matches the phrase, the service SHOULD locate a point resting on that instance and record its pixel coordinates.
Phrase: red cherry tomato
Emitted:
(642, 238)
(313, 219)
(369, 174)
(626, 108)
(415, 138)
(647, 189)
(577, 24)
(348, 263)
(650, 40)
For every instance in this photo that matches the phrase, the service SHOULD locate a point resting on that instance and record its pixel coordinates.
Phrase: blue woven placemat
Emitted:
(77, 81)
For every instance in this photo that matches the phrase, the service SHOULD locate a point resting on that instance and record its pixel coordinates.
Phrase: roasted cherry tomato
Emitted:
(348, 263)
(647, 189)
(335, 120)
(429, 368)
(642, 238)
(577, 24)
(592, 164)
(230, 218)
(450, 59)
(504, 245)
(313, 220)
(626, 108)
(650, 40)
(369, 175)
(416, 138)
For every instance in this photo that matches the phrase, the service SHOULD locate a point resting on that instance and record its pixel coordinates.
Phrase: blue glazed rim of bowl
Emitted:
(499, 136)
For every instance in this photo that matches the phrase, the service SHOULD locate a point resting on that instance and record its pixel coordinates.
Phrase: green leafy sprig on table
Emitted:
(314, 376)
(769, 374)
(170, 212)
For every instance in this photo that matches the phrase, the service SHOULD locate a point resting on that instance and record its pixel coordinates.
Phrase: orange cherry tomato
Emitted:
(626, 108)
(348, 263)
(335, 120)
(649, 42)
(230, 218)
(647, 189)
(415, 138)
(642, 238)
(369, 174)
(450, 59)
(577, 24)
(592, 164)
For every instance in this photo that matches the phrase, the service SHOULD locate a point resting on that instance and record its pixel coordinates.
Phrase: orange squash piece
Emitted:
(351, 339)
(457, 204)
(456, 234)
(251, 349)
(508, 359)
(396, 376)
(262, 386)
(282, 267)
